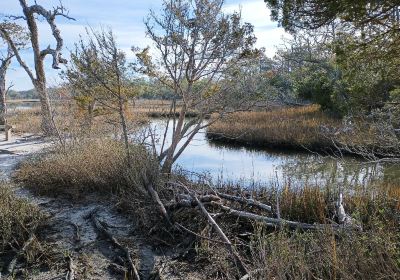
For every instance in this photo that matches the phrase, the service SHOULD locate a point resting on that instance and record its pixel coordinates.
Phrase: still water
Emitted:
(252, 167)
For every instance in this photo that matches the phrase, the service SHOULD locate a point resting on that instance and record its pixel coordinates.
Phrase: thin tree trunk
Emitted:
(169, 158)
(124, 126)
(3, 104)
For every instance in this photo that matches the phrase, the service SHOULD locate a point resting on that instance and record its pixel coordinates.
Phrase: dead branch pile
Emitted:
(213, 205)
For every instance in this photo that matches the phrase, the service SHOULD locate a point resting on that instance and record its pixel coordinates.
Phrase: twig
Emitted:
(77, 236)
(199, 235)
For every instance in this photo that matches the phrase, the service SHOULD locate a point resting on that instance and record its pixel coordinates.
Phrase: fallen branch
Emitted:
(245, 201)
(132, 271)
(273, 221)
(156, 198)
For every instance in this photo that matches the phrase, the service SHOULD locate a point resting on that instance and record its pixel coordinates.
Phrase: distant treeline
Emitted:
(25, 94)
(149, 91)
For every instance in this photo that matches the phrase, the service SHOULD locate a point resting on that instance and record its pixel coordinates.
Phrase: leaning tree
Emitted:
(200, 51)
(31, 14)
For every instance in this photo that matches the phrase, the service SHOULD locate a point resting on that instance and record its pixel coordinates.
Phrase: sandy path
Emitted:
(94, 256)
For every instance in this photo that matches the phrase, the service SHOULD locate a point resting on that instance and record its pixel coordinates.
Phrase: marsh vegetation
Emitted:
(200, 157)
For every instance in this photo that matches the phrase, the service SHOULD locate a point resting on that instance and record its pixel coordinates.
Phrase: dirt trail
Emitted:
(71, 230)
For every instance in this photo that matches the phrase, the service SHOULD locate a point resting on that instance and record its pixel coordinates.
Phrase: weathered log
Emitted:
(274, 221)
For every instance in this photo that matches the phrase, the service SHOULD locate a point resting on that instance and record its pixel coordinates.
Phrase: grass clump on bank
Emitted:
(99, 166)
(19, 221)
(284, 127)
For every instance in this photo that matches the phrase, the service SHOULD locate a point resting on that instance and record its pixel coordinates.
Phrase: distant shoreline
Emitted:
(13, 101)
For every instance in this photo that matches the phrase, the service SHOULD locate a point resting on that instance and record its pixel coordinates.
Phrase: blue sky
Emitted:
(125, 17)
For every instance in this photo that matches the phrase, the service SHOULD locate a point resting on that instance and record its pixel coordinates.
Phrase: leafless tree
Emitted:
(38, 76)
(199, 51)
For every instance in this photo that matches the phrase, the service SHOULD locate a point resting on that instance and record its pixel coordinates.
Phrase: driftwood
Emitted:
(132, 271)
(154, 195)
(71, 269)
(343, 218)
(274, 222)
(245, 201)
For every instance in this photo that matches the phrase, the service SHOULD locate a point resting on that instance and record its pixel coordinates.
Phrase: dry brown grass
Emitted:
(26, 120)
(19, 220)
(93, 166)
(285, 127)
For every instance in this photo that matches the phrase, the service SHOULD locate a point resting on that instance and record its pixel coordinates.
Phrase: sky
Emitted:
(125, 17)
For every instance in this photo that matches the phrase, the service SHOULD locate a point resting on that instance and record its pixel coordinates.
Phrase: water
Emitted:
(236, 164)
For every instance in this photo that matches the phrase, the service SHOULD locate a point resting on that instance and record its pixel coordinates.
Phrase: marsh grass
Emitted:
(94, 166)
(18, 221)
(25, 120)
(283, 127)
(159, 108)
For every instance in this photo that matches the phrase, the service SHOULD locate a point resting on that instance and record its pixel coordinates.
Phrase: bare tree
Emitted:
(198, 49)
(38, 77)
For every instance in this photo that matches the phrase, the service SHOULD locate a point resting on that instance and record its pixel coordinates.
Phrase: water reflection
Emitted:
(262, 166)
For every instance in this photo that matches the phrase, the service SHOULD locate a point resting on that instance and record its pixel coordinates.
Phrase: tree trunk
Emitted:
(3, 92)
(169, 158)
(124, 126)
(47, 120)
